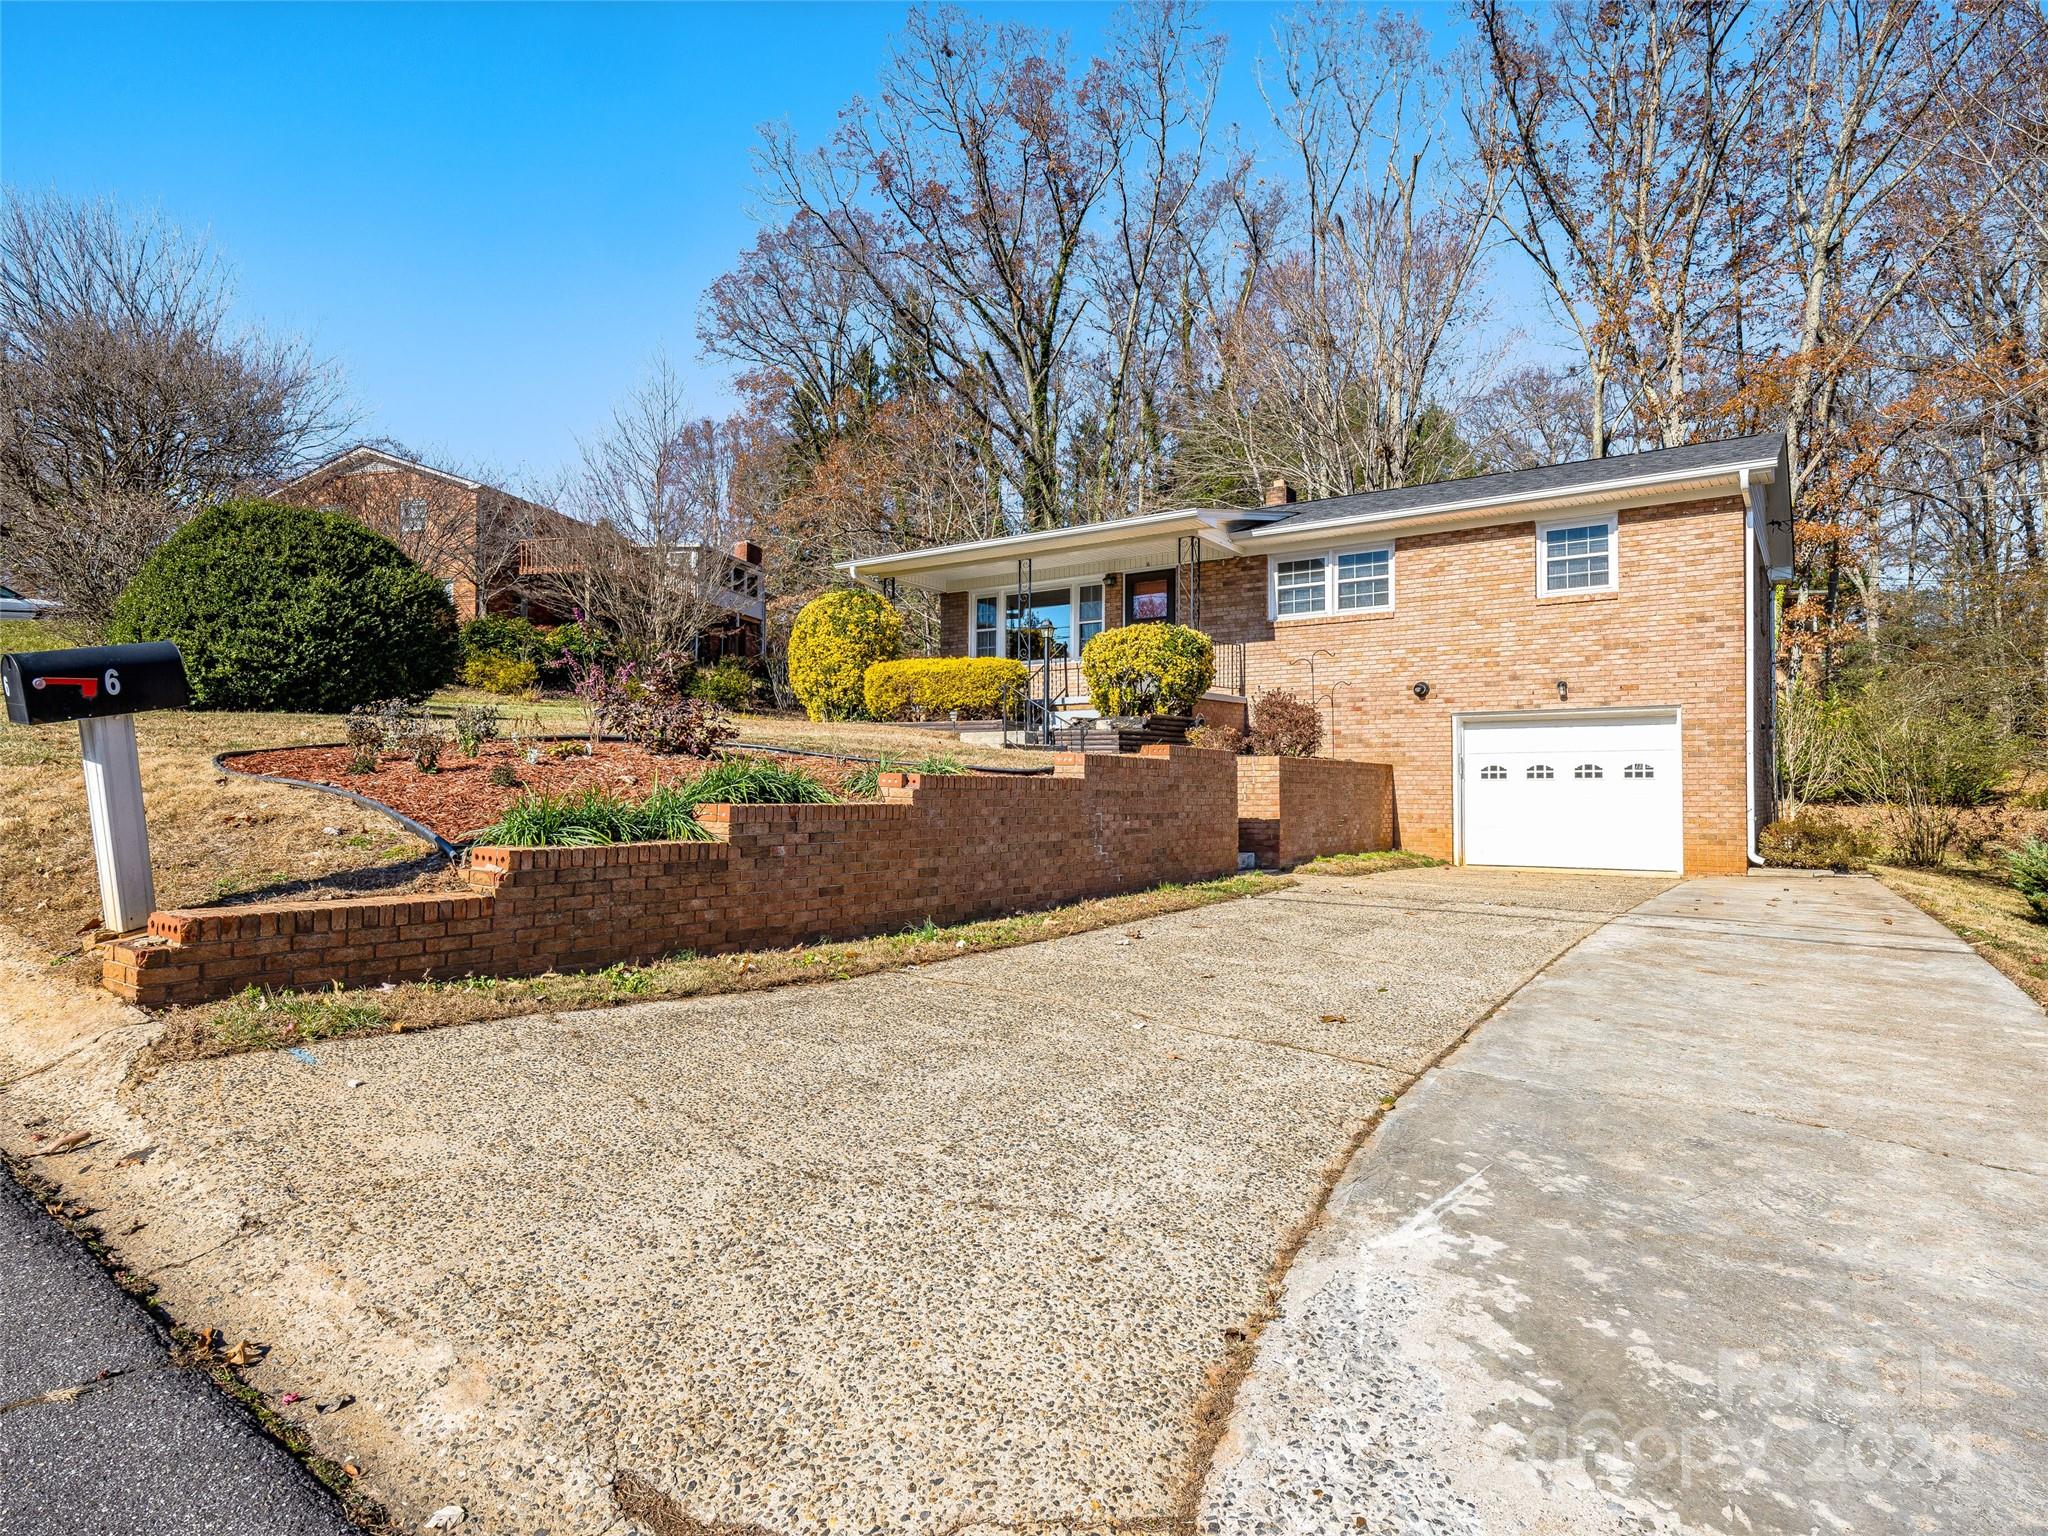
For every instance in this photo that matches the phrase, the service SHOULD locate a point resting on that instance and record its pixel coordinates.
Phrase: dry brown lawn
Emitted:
(211, 836)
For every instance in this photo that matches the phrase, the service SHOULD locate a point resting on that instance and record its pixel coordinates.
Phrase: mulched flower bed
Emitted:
(460, 797)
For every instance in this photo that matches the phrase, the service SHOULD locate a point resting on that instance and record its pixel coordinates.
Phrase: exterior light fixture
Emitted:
(1562, 691)
(1422, 690)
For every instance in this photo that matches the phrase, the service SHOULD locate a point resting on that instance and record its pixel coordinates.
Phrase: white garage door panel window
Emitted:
(1587, 793)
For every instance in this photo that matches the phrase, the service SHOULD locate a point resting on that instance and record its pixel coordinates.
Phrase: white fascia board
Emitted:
(1606, 494)
(1207, 521)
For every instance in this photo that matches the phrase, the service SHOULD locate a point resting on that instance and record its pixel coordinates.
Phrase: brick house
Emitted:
(500, 553)
(1563, 667)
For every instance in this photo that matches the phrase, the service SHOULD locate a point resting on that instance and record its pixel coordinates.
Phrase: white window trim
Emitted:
(1071, 588)
(405, 513)
(1613, 524)
(1329, 557)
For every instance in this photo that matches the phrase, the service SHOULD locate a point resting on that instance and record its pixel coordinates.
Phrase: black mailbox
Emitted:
(43, 687)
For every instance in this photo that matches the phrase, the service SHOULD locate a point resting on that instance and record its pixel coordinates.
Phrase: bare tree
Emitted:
(1619, 130)
(647, 553)
(962, 195)
(130, 401)
(1338, 357)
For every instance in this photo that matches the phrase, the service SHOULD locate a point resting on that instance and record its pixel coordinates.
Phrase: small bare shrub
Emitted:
(476, 724)
(1285, 725)
(364, 733)
(1218, 738)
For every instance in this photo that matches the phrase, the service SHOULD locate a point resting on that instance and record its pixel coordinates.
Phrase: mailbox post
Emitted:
(103, 687)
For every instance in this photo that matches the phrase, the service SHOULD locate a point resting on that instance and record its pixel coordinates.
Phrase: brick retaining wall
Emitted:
(948, 848)
(1292, 809)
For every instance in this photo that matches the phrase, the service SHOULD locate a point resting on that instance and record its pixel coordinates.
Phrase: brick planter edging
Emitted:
(946, 849)
(1293, 809)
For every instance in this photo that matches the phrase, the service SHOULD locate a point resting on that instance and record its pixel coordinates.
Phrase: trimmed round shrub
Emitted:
(565, 644)
(1148, 669)
(729, 683)
(277, 607)
(939, 687)
(836, 639)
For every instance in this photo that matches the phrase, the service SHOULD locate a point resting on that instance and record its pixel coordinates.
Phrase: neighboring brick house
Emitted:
(1564, 667)
(500, 553)
(465, 532)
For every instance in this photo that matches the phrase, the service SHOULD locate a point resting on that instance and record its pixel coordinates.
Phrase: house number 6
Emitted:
(112, 682)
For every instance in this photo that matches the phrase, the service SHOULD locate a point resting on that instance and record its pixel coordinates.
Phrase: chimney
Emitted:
(747, 552)
(1279, 493)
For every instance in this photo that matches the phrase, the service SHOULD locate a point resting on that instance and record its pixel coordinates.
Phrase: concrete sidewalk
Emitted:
(100, 1435)
(1735, 1219)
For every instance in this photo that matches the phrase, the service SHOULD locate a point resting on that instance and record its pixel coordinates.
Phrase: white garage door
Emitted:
(1587, 793)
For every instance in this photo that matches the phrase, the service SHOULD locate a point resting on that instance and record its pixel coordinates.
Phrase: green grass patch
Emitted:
(258, 1020)
(1367, 863)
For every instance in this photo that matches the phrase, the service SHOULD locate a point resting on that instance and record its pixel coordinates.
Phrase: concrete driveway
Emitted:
(968, 1248)
(1734, 1220)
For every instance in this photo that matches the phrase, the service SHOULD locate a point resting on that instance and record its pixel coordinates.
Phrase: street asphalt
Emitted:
(100, 1433)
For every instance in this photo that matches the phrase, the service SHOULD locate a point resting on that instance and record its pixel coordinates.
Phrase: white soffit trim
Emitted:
(1075, 541)
(1638, 491)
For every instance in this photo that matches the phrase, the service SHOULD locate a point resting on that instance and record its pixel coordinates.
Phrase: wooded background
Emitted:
(1018, 288)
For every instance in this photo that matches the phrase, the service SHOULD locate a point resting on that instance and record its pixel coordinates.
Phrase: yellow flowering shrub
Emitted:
(836, 639)
(935, 688)
(1148, 669)
(495, 672)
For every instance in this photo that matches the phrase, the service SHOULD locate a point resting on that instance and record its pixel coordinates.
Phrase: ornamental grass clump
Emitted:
(866, 784)
(593, 818)
(737, 781)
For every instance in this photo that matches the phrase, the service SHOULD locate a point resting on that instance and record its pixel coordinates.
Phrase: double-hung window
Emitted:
(1365, 579)
(1301, 586)
(985, 631)
(412, 515)
(1339, 581)
(1575, 557)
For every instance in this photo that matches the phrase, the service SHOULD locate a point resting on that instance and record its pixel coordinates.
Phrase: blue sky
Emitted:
(492, 215)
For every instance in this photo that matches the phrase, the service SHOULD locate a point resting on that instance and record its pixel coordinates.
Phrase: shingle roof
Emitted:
(1550, 479)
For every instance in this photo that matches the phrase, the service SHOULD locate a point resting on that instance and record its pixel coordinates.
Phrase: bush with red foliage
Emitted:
(1285, 725)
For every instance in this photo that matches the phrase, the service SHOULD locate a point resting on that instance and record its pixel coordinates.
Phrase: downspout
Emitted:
(1749, 720)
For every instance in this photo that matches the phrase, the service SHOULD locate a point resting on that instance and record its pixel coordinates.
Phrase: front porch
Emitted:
(1040, 598)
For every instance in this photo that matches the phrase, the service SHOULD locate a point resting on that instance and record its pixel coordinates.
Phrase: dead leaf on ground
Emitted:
(70, 1143)
(1333, 1018)
(248, 1352)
